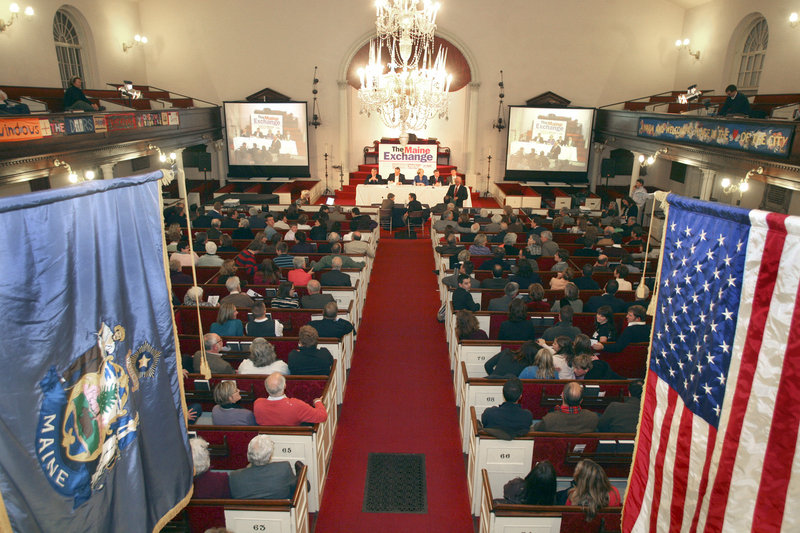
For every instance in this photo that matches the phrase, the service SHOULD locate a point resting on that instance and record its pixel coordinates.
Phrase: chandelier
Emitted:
(414, 86)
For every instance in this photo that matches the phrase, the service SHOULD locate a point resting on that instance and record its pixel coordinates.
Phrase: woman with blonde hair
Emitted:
(591, 489)
(542, 367)
(227, 325)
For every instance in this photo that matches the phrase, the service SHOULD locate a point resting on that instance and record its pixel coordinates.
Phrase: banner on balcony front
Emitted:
(409, 158)
(767, 139)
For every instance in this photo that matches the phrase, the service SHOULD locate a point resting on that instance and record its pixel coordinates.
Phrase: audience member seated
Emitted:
(509, 417)
(315, 299)
(207, 483)
(607, 298)
(260, 325)
(336, 251)
(335, 277)
(462, 299)
(216, 363)
(498, 258)
(620, 272)
(585, 282)
(8, 107)
(280, 410)
(479, 245)
(308, 360)
(227, 325)
(604, 329)
(560, 280)
(262, 360)
(302, 246)
(183, 255)
(243, 231)
(511, 362)
(517, 327)
(538, 487)
(298, 275)
(246, 259)
(267, 273)
(75, 100)
(194, 296)
(560, 257)
(227, 412)
(586, 366)
(331, 326)
(358, 246)
(623, 417)
(467, 327)
(175, 274)
(236, 296)
(536, 300)
(563, 354)
(286, 297)
(282, 257)
(543, 367)
(601, 265)
(549, 246)
(262, 479)
(511, 291)
(569, 417)
(591, 489)
(533, 249)
(226, 243)
(214, 232)
(637, 330)
(465, 267)
(526, 274)
(210, 259)
(450, 247)
(564, 326)
(571, 298)
(497, 281)
(588, 250)
(226, 271)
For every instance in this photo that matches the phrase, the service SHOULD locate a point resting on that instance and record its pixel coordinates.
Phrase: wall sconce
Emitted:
(163, 157)
(794, 19)
(728, 187)
(498, 124)
(14, 8)
(649, 160)
(137, 40)
(681, 44)
(72, 175)
(314, 109)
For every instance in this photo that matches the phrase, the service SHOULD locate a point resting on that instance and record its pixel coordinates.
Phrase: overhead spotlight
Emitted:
(137, 40)
(14, 8)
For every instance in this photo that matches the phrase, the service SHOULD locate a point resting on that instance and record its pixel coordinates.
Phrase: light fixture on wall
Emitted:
(73, 176)
(164, 157)
(794, 19)
(314, 109)
(14, 8)
(416, 87)
(681, 44)
(649, 160)
(743, 185)
(499, 124)
(137, 40)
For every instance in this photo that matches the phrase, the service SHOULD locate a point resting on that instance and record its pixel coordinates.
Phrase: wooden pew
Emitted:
(286, 516)
(504, 460)
(497, 517)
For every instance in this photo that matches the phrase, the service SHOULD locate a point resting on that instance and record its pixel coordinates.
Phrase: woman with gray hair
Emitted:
(262, 360)
(227, 411)
(207, 483)
(571, 298)
(194, 296)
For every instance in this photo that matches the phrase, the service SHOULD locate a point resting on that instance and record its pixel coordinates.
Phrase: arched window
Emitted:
(751, 61)
(68, 47)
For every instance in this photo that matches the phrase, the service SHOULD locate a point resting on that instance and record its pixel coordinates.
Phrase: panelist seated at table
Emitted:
(374, 178)
(397, 178)
(436, 179)
(420, 178)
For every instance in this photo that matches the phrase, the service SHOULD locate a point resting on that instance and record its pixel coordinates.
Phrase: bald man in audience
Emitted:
(280, 410)
(315, 299)
(569, 417)
(327, 260)
(331, 326)
(358, 246)
(335, 277)
(216, 363)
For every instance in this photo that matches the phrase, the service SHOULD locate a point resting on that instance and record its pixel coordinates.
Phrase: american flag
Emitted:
(717, 448)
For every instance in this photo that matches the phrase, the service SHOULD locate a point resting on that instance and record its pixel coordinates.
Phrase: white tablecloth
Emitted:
(374, 194)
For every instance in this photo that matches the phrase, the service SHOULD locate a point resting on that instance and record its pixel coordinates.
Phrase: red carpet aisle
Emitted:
(399, 399)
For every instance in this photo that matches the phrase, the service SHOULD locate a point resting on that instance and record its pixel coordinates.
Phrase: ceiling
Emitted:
(689, 4)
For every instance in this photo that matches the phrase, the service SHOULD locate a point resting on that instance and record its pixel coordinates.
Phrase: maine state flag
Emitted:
(92, 428)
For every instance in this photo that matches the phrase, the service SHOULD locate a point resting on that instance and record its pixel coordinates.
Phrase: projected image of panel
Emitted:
(549, 143)
(266, 139)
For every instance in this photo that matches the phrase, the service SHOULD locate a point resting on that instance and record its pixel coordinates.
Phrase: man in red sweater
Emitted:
(279, 410)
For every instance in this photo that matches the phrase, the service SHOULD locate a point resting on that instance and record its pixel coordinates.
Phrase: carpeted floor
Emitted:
(399, 399)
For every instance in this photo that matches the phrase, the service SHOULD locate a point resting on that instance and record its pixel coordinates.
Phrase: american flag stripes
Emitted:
(717, 445)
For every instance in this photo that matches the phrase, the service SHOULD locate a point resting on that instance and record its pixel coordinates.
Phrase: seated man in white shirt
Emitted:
(619, 273)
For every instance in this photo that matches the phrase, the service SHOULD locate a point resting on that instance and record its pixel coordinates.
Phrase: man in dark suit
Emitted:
(510, 416)
(374, 178)
(315, 299)
(261, 479)
(637, 330)
(331, 326)
(501, 304)
(569, 417)
(335, 277)
(397, 178)
(608, 298)
(462, 299)
(735, 104)
(585, 282)
(622, 417)
(202, 220)
(457, 192)
(497, 281)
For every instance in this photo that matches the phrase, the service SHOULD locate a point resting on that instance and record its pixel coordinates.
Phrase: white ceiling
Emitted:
(689, 4)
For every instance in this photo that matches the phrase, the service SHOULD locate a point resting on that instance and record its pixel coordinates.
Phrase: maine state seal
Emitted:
(86, 419)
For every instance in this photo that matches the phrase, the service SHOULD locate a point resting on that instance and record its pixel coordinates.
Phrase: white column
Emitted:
(108, 171)
(707, 183)
(344, 131)
(471, 144)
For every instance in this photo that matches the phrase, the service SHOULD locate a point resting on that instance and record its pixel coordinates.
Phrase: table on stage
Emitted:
(374, 194)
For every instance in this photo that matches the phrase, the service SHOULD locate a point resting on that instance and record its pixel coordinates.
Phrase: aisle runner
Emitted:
(399, 399)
